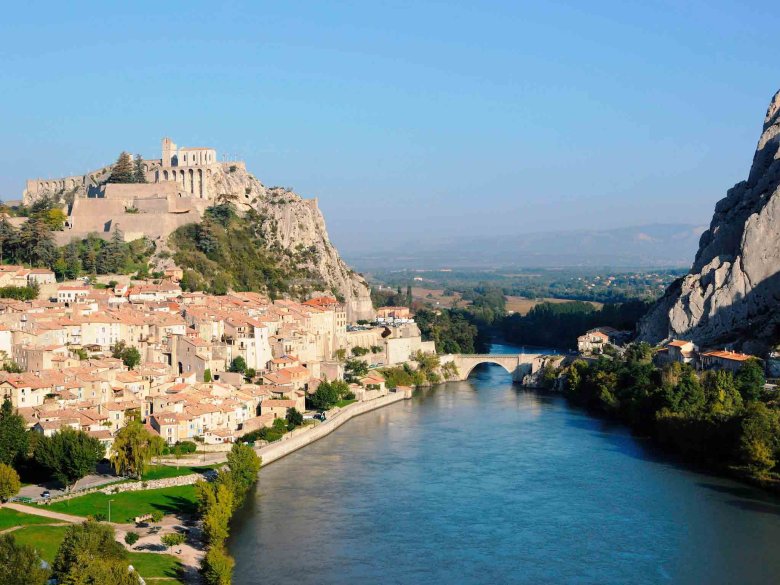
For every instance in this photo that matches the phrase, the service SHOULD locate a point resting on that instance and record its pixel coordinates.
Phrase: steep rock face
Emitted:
(295, 225)
(732, 291)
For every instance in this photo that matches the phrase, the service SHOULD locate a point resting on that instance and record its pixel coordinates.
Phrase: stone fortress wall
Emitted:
(179, 189)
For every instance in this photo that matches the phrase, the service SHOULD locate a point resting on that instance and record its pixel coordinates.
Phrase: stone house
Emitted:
(724, 360)
(592, 341)
(681, 351)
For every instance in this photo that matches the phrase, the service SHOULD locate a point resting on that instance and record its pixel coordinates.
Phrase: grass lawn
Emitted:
(343, 402)
(155, 565)
(45, 539)
(126, 506)
(166, 471)
(9, 518)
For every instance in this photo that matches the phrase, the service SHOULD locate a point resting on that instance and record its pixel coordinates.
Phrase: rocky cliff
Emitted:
(732, 291)
(296, 226)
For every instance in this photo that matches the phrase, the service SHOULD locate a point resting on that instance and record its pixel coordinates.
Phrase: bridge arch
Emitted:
(517, 365)
(470, 365)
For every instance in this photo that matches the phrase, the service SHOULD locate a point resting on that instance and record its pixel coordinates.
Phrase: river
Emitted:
(484, 482)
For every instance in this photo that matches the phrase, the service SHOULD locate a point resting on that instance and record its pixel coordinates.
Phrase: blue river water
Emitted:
(484, 482)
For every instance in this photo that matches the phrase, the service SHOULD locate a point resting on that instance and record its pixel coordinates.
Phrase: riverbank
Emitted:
(299, 438)
(548, 495)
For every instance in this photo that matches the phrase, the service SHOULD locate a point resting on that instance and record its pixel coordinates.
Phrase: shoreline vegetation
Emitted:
(720, 422)
(714, 421)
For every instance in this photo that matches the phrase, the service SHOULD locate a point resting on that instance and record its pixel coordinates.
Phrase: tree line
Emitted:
(716, 418)
(559, 324)
(33, 245)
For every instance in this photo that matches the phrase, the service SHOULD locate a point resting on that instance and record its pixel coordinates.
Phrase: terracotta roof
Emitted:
(729, 355)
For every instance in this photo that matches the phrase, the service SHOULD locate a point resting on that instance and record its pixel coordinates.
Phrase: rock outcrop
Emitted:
(732, 291)
(296, 225)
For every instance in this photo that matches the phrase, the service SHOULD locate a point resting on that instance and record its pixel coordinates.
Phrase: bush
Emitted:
(187, 447)
(157, 516)
(20, 293)
(131, 538)
(172, 539)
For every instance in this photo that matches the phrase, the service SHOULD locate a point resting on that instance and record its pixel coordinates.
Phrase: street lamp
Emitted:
(109, 511)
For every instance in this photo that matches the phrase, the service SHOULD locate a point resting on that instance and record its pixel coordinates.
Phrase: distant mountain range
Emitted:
(656, 245)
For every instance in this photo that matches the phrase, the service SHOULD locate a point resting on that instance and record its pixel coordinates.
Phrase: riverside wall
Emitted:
(302, 437)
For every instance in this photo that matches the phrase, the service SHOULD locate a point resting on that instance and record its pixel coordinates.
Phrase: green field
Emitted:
(10, 518)
(166, 471)
(45, 539)
(126, 506)
(155, 565)
(345, 402)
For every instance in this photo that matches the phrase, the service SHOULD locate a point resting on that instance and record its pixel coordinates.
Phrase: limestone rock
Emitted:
(294, 224)
(732, 291)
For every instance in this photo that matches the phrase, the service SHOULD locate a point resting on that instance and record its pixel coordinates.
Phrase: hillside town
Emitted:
(194, 366)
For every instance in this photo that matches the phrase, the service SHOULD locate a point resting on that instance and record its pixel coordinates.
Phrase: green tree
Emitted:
(216, 503)
(132, 449)
(69, 455)
(324, 397)
(217, 566)
(172, 539)
(721, 392)
(20, 564)
(750, 380)
(9, 239)
(122, 172)
(687, 395)
(55, 219)
(760, 437)
(84, 543)
(243, 467)
(13, 434)
(157, 446)
(139, 176)
(207, 240)
(354, 370)
(293, 418)
(207, 375)
(238, 365)
(36, 244)
(9, 482)
(131, 357)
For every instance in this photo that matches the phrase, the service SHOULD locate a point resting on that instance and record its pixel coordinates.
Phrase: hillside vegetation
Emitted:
(228, 251)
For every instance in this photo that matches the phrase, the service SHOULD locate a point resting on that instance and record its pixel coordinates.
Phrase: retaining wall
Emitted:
(292, 441)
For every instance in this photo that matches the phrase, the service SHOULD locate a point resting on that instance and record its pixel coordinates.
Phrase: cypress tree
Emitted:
(123, 169)
(138, 170)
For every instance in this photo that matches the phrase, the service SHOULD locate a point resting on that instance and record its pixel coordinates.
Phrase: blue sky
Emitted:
(410, 121)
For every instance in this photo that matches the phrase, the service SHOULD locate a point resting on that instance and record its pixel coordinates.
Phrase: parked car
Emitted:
(46, 494)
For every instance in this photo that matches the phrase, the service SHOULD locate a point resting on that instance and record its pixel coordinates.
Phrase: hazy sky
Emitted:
(409, 120)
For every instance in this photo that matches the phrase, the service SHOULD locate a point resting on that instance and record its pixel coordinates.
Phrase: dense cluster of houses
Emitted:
(183, 387)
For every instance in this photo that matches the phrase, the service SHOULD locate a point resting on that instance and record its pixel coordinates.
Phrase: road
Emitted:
(104, 475)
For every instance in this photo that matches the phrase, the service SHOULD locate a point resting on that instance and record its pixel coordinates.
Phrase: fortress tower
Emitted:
(168, 152)
(189, 168)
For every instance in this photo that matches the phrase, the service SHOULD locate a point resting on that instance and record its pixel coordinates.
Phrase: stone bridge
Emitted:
(519, 365)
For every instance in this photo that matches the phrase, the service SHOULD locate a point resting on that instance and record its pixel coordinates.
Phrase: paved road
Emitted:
(103, 476)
